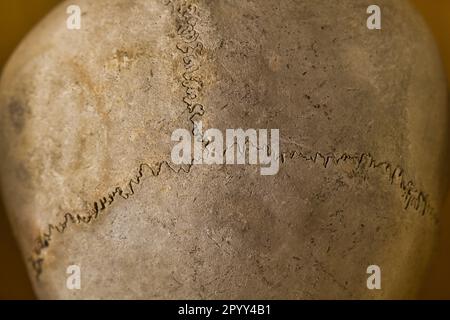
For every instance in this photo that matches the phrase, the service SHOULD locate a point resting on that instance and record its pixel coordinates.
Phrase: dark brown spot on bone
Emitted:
(17, 114)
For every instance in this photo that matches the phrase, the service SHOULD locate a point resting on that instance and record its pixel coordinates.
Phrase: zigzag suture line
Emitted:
(186, 17)
(411, 196)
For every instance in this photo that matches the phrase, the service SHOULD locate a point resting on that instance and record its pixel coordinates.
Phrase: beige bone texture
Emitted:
(86, 118)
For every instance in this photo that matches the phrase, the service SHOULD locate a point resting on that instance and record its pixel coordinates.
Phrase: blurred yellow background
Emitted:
(17, 17)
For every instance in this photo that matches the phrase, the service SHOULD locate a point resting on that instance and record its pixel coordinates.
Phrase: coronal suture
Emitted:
(412, 198)
(44, 240)
(186, 16)
(411, 195)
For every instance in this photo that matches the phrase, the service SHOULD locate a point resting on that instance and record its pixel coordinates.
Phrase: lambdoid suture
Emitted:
(88, 114)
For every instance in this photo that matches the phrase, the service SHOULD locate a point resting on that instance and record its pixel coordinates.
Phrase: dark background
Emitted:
(17, 17)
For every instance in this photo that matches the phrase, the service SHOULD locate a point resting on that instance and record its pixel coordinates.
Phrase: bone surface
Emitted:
(86, 118)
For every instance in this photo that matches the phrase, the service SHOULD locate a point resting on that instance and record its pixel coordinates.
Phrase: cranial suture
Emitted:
(334, 168)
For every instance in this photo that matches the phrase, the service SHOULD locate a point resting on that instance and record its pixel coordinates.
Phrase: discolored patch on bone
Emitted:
(17, 114)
